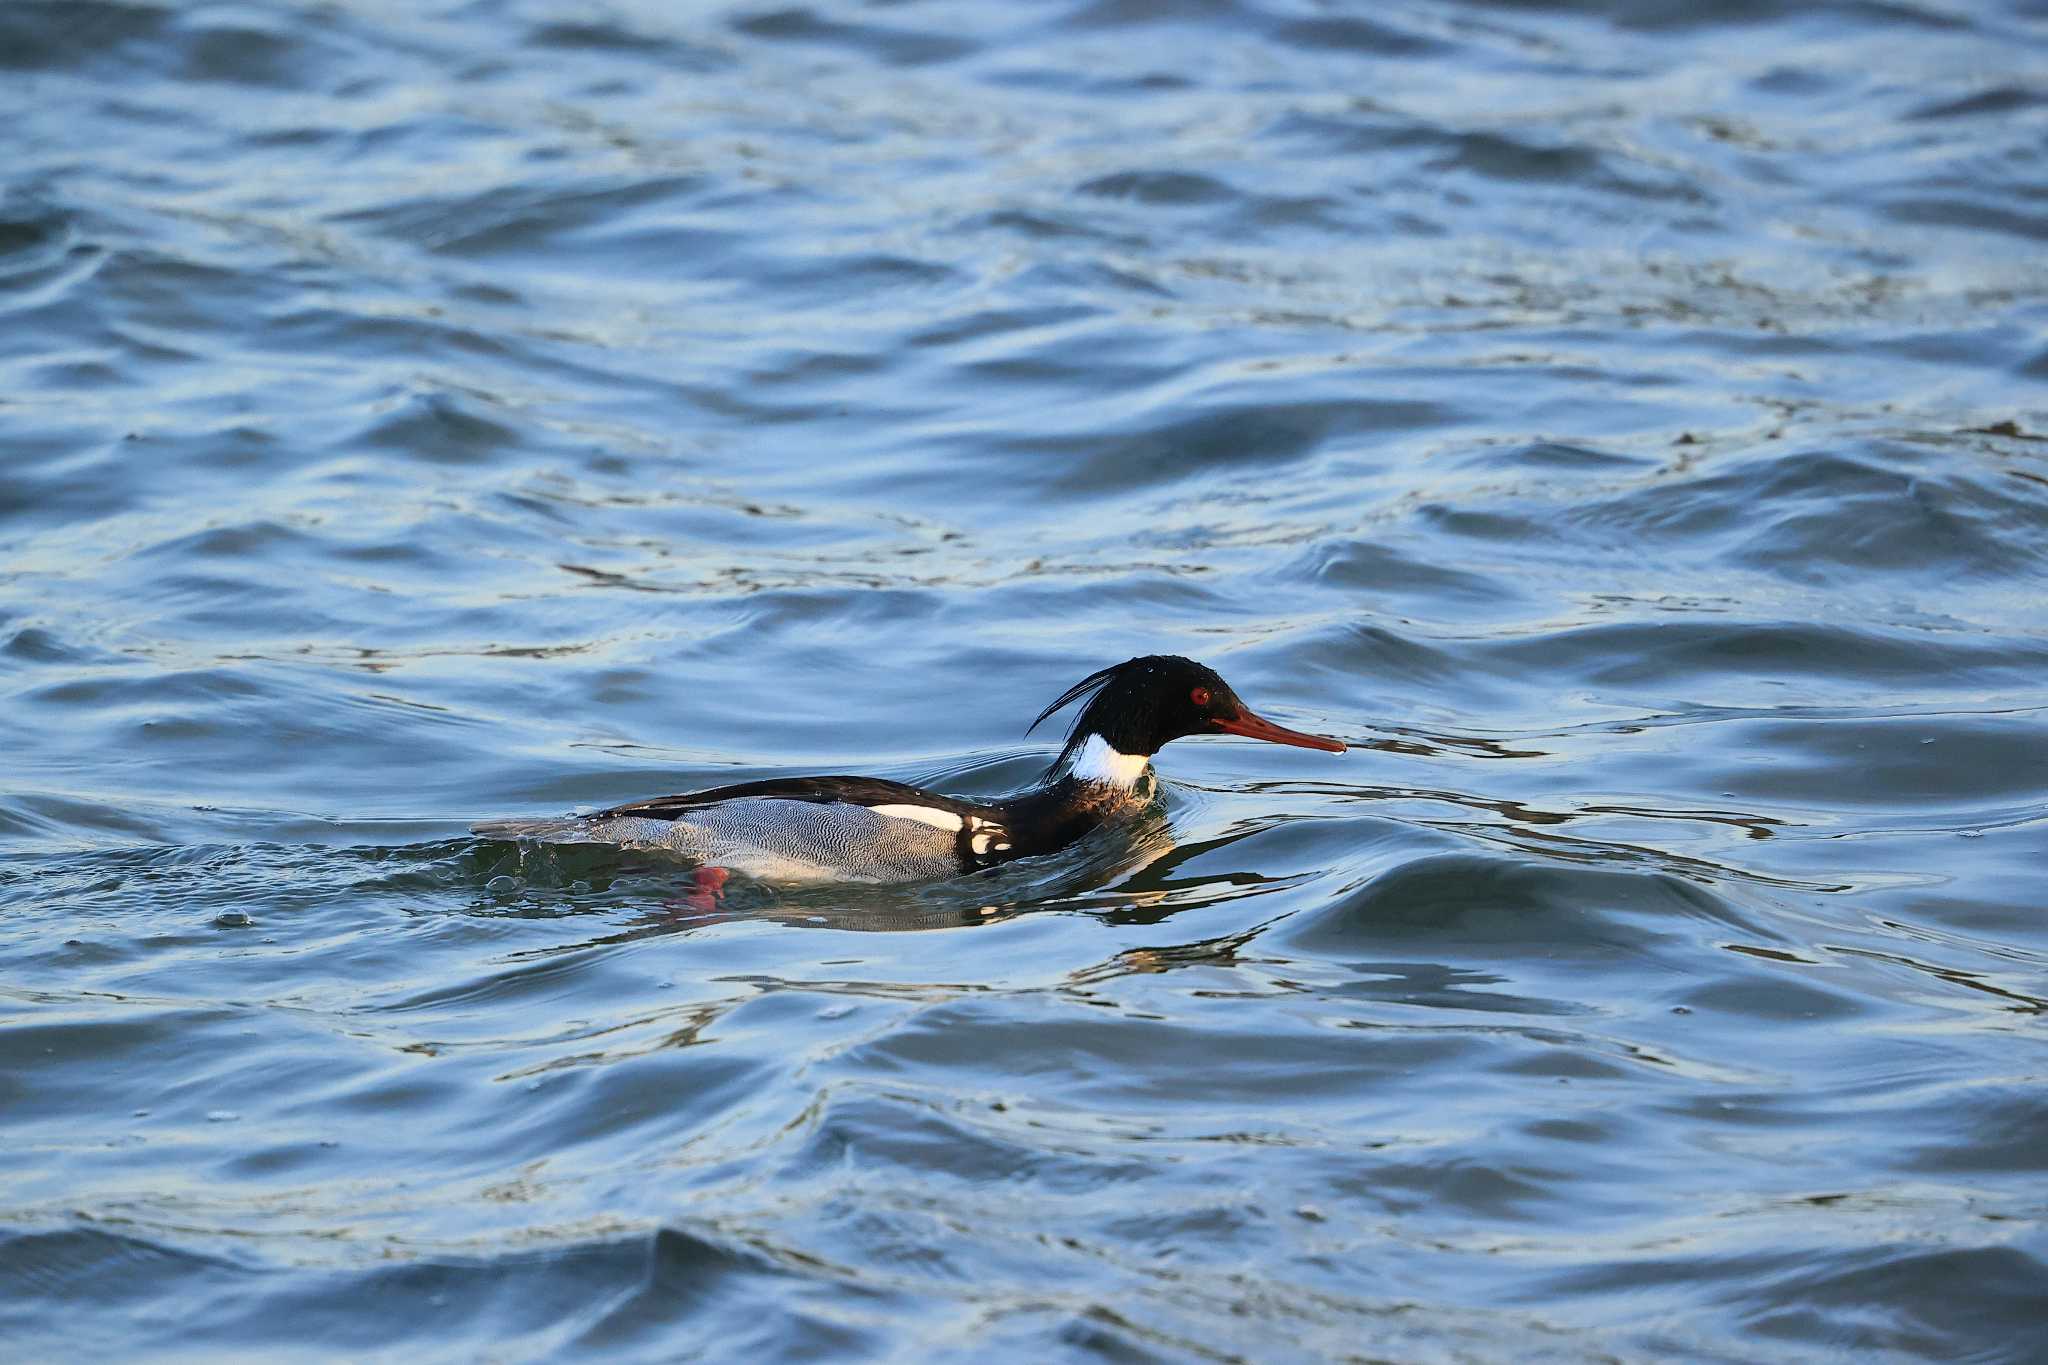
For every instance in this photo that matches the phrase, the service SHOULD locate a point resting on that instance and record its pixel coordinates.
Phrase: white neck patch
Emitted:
(1097, 762)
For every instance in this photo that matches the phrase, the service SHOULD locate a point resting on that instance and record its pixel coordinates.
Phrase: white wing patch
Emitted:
(982, 834)
(924, 815)
(986, 833)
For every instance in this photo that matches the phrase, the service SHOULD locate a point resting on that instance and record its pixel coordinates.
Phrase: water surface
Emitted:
(1624, 424)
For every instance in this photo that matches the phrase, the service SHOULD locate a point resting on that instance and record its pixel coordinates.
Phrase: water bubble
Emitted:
(835, 1011)
(232, 919)
(222, 1116)
(502, 885)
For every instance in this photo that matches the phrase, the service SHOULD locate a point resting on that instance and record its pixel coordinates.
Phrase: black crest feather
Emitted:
(1132, 704)
(1086, 688)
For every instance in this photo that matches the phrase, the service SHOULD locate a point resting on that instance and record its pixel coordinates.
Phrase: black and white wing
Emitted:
(807, 829)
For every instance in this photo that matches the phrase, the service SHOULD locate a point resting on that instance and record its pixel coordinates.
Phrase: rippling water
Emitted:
(1625, 423)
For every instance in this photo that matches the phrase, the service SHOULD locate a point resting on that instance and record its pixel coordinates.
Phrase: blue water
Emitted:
(1627, 425)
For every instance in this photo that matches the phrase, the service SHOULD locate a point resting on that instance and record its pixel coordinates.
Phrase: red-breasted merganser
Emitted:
(869, 829)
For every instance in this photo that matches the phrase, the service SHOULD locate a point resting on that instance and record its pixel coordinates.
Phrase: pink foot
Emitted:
(710, 888)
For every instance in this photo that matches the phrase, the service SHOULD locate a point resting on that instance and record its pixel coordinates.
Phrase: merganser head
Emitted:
(1139, 706)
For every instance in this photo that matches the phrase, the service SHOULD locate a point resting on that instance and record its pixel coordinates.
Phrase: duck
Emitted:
(812, 830)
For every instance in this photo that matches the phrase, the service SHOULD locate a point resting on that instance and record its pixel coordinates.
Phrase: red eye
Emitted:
(1200, 696)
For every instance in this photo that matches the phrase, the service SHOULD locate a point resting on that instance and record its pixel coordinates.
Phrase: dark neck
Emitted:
(1064, 808)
